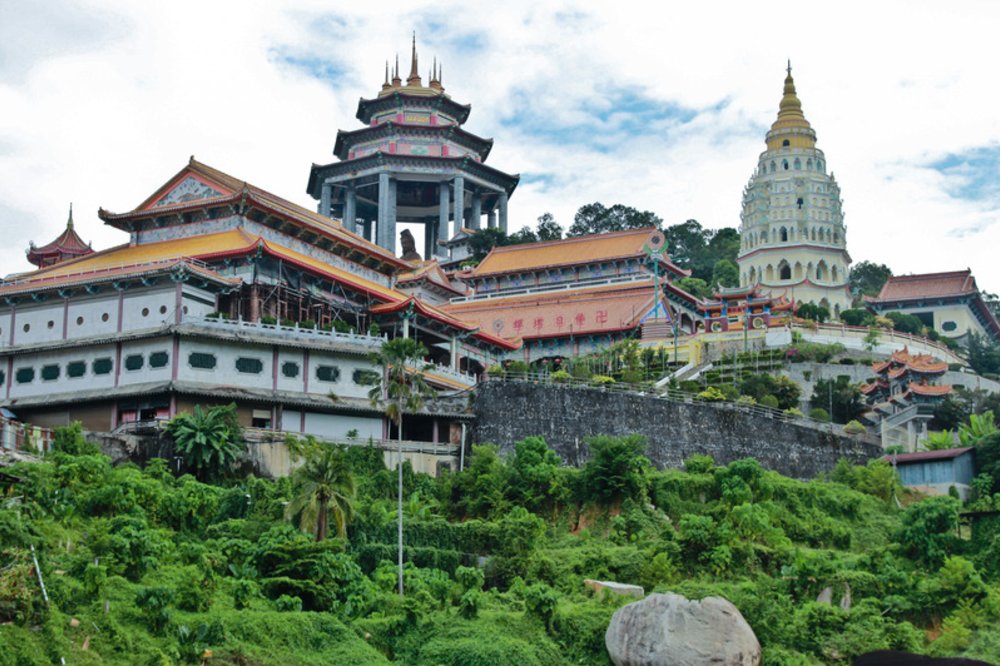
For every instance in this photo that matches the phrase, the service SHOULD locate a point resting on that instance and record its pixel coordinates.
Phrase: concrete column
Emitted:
(491, 219)
(406, 327)
(326, 193)
(476, 212)
(386, 230)
(459, 215)
(430, 229)
(350, 209)
(454, 354)
(503, 212)
(442, 230)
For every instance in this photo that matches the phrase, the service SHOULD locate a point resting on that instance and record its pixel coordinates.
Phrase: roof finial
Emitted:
(395, 74)
(414, 78)
(789, 70)
(69, 223)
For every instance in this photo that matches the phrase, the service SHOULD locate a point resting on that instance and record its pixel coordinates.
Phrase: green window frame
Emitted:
(102, 366)
(76, 369)
(159, 359)
(50, 372)
(24, 375)
(202, 360)
(290, 369)
(3, 377)
(365, 377)
(249, 365)
(134, 362)
(327, 373)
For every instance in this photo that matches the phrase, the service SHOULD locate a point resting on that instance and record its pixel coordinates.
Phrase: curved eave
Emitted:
(792, 246)
(381, 160)
(348, 139)
(368, 107)
(433, 313)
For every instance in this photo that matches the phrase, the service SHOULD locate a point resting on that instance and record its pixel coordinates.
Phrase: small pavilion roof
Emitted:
(429, 271)
(68, 244)
(576, 250)
(922, 456)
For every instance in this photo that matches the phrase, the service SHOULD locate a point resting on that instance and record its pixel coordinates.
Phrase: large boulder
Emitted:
(668, 629)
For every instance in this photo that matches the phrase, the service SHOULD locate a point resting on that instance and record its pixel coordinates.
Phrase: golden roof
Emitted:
(569, 251)
(791, 124)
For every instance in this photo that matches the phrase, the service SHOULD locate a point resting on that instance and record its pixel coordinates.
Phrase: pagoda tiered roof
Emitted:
(346, 140)
(67, 245)
(897, 371)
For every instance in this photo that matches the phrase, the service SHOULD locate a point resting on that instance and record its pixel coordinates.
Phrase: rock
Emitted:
(845, 601)
(606, 586)
(826, 596)
(73, 622)
(668, 629)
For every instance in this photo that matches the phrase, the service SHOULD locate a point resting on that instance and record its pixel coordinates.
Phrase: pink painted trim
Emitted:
(173, 405)
(65, 318)
(274, 372)
(178, 302)
(121, 311)
(114, 414)
(118, 362)
(176, 360)
(13, 323)
(10, 374)
(305, 371)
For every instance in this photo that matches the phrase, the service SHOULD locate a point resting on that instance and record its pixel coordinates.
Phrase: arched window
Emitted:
(798, 270)
(784, 270)
(753, 275)
(772, 167)
(834, 274)
(813, 237)
(821, 271)
(769, 273)
(786, 143)
(809, 164)
(784, 164)
(798, 164)
(784, 235)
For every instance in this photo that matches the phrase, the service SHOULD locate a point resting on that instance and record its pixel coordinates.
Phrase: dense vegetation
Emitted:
(143, 567)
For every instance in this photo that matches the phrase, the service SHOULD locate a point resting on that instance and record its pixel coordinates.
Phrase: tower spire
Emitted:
(395, 74)
(69, 222)
(385, 84)
(414, 78)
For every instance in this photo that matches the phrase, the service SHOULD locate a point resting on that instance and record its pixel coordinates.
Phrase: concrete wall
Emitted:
(565, 416)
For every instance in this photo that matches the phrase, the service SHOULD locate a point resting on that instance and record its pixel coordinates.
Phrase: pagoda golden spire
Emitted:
(791, 127)
(396, 81)
(414, 78)
(386, 85)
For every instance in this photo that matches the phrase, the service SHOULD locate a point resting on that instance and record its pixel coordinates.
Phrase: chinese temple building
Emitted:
(732, 307)
(412, 162)
(67, 246)
(572, 296)
(792, 225)
(224, 293)
(904, 394)
(950, 303)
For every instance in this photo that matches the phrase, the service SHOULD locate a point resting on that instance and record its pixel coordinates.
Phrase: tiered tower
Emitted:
(793, 235)
(412, 162)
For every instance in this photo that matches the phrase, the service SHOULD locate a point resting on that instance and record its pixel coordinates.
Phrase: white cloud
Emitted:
(106, 100)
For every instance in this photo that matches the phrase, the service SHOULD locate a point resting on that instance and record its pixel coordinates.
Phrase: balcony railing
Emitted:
(372, 341)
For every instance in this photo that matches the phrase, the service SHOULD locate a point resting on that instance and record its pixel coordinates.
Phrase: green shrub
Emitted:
(819, 414)
(855, 427)
(601, 380)
(769, 401)
(560, 376)
(712, 394)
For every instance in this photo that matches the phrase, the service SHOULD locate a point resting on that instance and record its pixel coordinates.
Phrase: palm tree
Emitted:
(210, 441)
(325, 487)
(402, 388)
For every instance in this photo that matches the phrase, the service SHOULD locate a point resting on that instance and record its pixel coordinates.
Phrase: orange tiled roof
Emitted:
(431, 270)
(593, 310)
(569, 251)
(438, 314)
(233, 188)
(22, 284)
(927, 285)
(930, 389)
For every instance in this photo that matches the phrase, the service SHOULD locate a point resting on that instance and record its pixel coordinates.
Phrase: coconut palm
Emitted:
(210, 441)
(325, 488)
(400, 389)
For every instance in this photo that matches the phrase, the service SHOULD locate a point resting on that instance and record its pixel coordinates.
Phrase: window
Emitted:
(102, 366)
(201, 360)
(27, 327)
(104, 317)
(158, 359)
(76, 369)
(786, 143)
(945, 326)
(133, 362)
(24, 375)
(145, 312)
(3, 377)
(50, 372)
(252, 366)
(290, 369)
(79, 321)
(163, 309)
(327, 373)
(365, 377)
(51, 324)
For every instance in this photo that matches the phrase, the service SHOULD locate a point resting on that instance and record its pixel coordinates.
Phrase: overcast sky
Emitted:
(661, 106)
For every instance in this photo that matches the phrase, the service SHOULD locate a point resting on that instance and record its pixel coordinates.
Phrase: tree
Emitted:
(979, 427)
(841, 395)
(928, 530)
(521, 236)
(325, 487)
(595, 218)
(548, 228)
(686, 243)
(813, 312)
(725, 273)
(988, 458)
(905, 323)
(983, 355)
(871, 341)
(695, 286)
(857, 317)
(403, 389)
(617, 468)
(209, 441)
(867, 278)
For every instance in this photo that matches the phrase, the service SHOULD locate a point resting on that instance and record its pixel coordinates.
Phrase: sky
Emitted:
(660, 106)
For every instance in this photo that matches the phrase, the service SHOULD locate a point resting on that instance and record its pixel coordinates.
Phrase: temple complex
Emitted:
(950, 303)
(67, 245)
(412, 162)
(792, 226)
(575, 295)
(742, 308)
